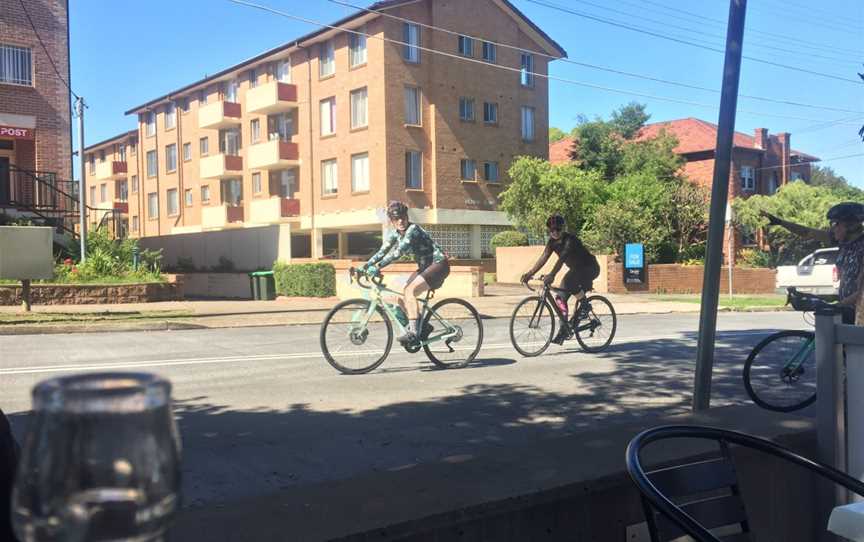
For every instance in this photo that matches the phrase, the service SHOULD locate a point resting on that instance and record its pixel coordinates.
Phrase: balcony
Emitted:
(110, 170)
(220, 216)
(221, 166)
(219, 115)
(274, 154)
(273, 97)
(272, 210)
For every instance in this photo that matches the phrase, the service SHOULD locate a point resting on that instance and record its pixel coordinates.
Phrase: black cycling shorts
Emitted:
(434, 275)
(580, 279)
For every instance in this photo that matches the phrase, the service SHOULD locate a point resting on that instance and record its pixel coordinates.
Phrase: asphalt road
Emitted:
(259, 408)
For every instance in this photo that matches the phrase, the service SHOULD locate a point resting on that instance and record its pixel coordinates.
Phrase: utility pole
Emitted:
(719, 197)
(82, 186)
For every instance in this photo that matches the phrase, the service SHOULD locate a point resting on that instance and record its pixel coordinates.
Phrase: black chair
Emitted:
(694, 498)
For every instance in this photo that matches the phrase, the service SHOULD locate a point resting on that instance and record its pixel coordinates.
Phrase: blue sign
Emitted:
(634, 256)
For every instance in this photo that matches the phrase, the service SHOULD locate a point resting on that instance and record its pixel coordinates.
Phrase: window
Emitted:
(170, 116)
(287, 183)
(414, 169)
(490, 52)
(132, 148)
(92, 194)
(135, 223)
(329, 180)
(123, 191)
(468, 169)
(412, 106)
(283, 71)
(202, 98)
(171, 157)
(357, 48)
(411, 38)
(173, 203)
(253, 78)
(188, 197)
(326, 59)
(490, 171)
(101, 156)
(134, 184)
(230, 91)
(229, 141)
(205, 194)
(748, 180)
(255, 131)
(187, 152)
(103, 192)
(16, 65)
(774, 184)
(256, 183)
(466, 46)
(796, 176)
(328, 116)
(150, 121)
(526, 73)
(466, 109)
(152, 163)
(359, 101)
(232, 192)
(153, 205)
(91, 162)
(184, 104)
(490, 113)
(527, 123)
(203, 146)
(121, 153)
(280, 127)
(360, 172)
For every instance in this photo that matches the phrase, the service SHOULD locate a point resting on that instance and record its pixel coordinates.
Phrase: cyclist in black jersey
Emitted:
(582, 266)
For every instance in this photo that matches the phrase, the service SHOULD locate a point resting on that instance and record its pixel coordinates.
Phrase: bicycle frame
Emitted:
(798, 359)
(546, 294)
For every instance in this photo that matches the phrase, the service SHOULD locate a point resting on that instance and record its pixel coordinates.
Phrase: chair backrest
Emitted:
(696, 498)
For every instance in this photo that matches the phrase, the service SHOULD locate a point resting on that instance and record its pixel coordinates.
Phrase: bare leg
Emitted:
(412, 291)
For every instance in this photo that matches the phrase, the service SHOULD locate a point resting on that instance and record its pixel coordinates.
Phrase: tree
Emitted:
(556, 134)
(629, 119)
(826, 177)
(601, 144)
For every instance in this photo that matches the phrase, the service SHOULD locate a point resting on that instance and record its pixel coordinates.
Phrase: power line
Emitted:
(507, 68)
(592, 66)
(810, 20)
(790, 164)
(829, 124)
(686, 42)
(51, 60)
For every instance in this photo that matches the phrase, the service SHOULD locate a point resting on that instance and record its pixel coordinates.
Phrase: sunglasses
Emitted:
(834, 223)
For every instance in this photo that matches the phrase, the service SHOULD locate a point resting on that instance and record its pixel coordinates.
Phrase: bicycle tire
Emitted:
(360, 304)
(545, 311)
(603, 318)
(762, 399)
(472, 314)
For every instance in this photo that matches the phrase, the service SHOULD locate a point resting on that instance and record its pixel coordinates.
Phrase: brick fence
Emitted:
(90, 294)
(687, 279)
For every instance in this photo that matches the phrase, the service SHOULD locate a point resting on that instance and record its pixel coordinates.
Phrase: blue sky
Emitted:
(124, 55)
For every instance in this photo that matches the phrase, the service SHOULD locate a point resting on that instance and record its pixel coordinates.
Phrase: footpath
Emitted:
(498, 302)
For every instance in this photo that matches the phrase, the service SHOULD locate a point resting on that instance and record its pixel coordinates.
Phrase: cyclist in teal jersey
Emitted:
(432, 265)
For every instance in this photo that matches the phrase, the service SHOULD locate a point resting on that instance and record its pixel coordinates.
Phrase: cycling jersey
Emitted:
(414, 241)
(849, 262)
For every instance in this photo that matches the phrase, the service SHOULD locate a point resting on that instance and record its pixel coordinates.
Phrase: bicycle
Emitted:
(534, 320)
(780, 372)
(366, 325)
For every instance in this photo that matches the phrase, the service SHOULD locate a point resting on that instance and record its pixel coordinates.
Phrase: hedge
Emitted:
(305, 279)
(509, 239)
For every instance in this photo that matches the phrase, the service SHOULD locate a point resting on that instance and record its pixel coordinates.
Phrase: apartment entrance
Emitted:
(5, 181)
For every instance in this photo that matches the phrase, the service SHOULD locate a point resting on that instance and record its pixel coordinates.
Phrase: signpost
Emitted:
(634, 263)
(26, 254)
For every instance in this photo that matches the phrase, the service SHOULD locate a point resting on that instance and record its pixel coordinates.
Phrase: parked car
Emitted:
(814, 274)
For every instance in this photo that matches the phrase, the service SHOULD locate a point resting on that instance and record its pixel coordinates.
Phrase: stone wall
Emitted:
(687, 279)
(92, 294)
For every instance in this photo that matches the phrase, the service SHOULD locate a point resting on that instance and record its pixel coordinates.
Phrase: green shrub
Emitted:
(185, 265)
(750, 257)
(509, 239)
(305, 279)
(226, 265)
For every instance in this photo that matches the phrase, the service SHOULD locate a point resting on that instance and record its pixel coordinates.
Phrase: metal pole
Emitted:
(82, 185)
(719, 193)
(730, 249)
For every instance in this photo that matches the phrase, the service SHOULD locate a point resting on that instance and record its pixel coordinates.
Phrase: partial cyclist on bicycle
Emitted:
(847, 232)
(432, 265)
(582, 269)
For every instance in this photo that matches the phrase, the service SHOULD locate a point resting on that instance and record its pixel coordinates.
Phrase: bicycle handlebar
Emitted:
(804, 302)
(540, 278)
(355, 274)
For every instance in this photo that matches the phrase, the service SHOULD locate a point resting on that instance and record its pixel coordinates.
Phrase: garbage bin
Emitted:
(263, 285)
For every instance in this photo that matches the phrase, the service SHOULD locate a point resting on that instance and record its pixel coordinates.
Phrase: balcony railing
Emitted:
(290, 207)
(275, 154)
(273, 97)
(220, 216)
(272, 210)
(221, 166)
(110, 170)
(218, 115)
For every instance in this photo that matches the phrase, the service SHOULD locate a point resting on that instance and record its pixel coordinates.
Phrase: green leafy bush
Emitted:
(109, 261)
(750, 257)
(305, 279)
(509, 238)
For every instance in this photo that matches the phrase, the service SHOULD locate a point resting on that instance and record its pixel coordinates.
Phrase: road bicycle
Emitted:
(780, 372)
(535, 318)
(357, 334)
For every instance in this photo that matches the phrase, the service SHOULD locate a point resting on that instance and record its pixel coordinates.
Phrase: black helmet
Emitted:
(848, 211)
(397, 209)
(556, 222)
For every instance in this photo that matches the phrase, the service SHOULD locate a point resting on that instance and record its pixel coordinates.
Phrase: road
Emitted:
(259, 409)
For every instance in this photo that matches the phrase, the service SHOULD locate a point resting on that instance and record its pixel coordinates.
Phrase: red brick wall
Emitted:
(680, 279)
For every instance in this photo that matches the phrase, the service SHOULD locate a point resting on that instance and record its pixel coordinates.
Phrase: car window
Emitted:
(826, 258)
(806, 261)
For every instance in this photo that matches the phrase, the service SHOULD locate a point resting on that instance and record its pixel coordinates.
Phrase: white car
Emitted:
(815, 274)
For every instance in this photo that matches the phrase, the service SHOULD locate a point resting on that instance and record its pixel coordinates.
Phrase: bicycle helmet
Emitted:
(556, 222)
(397, 209)
(848, 211)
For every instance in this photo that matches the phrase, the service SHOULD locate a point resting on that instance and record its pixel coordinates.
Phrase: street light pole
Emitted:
(82, 186)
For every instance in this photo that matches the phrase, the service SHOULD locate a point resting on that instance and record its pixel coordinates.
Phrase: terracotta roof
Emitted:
(559, 152)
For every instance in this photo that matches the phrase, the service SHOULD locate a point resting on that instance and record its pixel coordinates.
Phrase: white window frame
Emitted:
(135, 223)
(254, 131)
(465, 46)
(466, 109)
(257, 187)
(357, 53)
(748, 178)
(121, 153)
(230, 91)
(465, 165)
(16, 65)
(187, 151)
(529, 132)
(414, 166)
(153, 203)
(123, 190)
(170, 116)
(253, 77)
(154, 170)
(526, 70)
(150, 123)
(360, 172)
(326, 59)
(488, 169)
(188, 197)
(490, 112)
(411, 38)
(329, 177)
(283, 71)
(204, 146)
(327, 117)
(413, 106)
(490, 52)
(103, 192)
(92, 194)
(171, 157)
(134, 184)
(205, 194)
(359, 108)
(172, 202)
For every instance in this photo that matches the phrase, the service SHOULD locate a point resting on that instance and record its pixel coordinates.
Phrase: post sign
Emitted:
(16, 133)
(634, 263)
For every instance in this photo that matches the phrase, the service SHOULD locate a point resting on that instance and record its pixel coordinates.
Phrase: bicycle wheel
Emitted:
(348, 345)
(455, 336)
(531, 326)
(596, 332)
(780, 372)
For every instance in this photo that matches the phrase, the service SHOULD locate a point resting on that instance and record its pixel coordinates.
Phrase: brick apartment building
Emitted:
(317, 135)
(35, 128)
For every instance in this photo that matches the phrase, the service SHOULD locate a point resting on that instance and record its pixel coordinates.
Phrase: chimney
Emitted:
(760, 138)
(785, 156)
